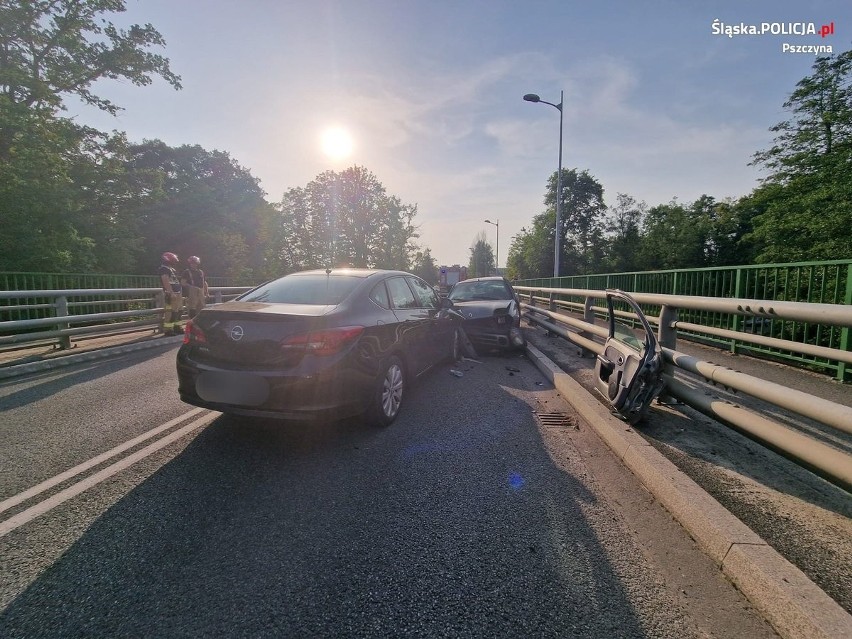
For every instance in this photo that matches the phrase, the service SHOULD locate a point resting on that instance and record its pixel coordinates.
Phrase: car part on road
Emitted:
(629, 372)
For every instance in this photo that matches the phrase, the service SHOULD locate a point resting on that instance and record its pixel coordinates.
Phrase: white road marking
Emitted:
(94, 461)
(72, 491)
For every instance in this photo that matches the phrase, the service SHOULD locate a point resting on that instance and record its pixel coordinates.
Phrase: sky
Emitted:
(658, 102)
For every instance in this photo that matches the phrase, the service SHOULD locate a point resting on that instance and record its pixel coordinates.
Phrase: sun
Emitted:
(336, 143)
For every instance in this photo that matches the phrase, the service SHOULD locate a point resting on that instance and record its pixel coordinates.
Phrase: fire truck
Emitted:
(450, 275)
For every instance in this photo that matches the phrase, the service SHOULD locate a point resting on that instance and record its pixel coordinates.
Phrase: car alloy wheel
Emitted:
(389, 392)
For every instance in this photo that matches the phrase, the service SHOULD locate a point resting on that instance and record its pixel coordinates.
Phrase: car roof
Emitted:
(351, 272)
(490, 278)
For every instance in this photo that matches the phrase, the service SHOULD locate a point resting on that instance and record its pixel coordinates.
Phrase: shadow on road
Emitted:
(60, 379)
(443, 524)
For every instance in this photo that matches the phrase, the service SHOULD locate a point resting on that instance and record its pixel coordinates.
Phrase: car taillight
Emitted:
(324, 342)
(192, 333)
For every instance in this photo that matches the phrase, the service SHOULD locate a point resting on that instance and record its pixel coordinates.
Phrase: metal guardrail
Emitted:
(826, 282)
(547, 307)
(63, 313)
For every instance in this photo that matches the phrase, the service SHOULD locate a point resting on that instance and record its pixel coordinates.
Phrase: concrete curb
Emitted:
(795, 606)
(8, 372)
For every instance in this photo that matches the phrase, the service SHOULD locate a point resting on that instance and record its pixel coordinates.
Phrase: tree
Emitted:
(197, 202)
(674, 235)
(62, 184)
(531, 250)
(62, 47)
(804, 207)
(40, 204)
(346, 219)
(581, 224)
(481, 258)
(623, 225)
(424, 266)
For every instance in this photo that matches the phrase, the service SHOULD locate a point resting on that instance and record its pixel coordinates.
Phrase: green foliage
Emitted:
(346, 219)
(481, 258)
(623, 224)
(61, 47)
(581, 230)
(62, 185)
(531, 250)
(196, 202)
(803, 210)
(39, 202)
(673, 237)
(424, 266)
(581, 226)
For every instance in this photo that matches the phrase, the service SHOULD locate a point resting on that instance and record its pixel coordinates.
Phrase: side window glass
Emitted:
(401, 295)
(379, 295)
(426, 296)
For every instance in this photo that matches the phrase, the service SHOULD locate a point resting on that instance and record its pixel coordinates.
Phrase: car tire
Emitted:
(388, 394)
(455, 349)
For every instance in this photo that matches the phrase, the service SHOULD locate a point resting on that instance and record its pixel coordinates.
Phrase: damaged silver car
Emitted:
(492, 313)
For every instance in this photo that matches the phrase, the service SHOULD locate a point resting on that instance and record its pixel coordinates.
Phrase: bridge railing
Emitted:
(828, 282)
(57, 315)
(572, 314)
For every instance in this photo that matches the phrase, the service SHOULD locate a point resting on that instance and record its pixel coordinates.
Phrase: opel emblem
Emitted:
(237, 333)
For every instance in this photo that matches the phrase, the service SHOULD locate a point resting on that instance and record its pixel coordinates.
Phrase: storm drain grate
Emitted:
(555, 420)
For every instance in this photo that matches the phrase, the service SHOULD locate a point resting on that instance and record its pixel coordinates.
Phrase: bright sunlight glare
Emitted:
(336, 143)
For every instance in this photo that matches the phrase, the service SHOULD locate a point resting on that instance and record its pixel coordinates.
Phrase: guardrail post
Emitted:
(667, 336)
(844, 332)
(588, 317)
(160, 302)
(737, 321)
(217, 297)
(62, 311)
(552, 305)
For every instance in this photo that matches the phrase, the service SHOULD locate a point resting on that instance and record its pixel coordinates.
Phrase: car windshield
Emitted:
(472, 291)
(315, 289)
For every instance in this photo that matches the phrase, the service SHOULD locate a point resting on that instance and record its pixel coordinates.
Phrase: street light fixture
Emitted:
(532, 97)
(497, 259)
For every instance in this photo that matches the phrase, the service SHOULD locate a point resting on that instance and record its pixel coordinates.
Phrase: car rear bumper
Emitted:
(325, 394)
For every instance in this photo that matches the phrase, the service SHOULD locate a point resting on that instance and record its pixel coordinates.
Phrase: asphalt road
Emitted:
(802, 516)
(468, 517)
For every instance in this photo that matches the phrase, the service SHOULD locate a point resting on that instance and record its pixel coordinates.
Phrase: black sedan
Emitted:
(492, 312)
(317, 344)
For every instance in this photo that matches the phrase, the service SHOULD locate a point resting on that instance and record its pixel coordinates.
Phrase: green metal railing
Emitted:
(37, 308)
(56, 281)
(827, 282)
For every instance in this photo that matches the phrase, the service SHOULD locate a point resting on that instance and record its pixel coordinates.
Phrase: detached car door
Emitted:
(629, 371)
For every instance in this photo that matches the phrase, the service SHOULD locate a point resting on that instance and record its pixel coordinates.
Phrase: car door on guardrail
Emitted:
(629, 371)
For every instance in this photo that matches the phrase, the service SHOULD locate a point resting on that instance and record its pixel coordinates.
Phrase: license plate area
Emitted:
(244, 389)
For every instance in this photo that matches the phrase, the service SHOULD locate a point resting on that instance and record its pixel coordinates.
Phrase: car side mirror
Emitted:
(446, 303)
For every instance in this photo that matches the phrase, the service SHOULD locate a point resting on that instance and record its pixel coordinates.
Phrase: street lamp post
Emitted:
(532, 97)
(497, 259)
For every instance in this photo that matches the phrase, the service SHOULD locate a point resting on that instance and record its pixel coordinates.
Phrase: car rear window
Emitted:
(320, 289)
(488, 290)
